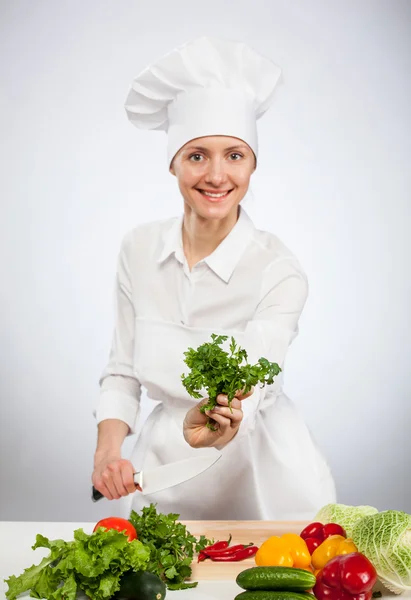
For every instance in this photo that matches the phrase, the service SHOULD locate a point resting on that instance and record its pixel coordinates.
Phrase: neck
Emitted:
(202, 236)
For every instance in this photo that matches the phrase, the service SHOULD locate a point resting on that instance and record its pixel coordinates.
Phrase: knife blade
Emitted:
(169, 475)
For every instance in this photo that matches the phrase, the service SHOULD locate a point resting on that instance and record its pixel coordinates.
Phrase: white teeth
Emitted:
(214, 195)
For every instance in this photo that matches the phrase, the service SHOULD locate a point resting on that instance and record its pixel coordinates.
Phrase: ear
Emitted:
(171, 168)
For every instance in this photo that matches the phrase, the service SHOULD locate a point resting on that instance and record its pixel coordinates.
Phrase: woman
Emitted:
(210, 271)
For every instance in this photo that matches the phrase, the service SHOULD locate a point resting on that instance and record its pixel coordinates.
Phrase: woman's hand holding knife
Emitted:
(113, 476)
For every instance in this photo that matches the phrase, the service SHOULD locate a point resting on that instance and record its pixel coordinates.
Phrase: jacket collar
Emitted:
(224, 258)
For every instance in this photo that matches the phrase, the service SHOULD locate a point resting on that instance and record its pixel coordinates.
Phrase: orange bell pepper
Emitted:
(332, 546)
(289, 550)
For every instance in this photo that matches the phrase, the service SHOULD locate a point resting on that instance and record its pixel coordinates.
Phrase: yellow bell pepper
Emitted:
(330, 547)
(289, 550)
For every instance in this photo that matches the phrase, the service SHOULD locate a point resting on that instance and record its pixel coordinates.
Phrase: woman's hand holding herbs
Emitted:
(225, 420)
(215, 420)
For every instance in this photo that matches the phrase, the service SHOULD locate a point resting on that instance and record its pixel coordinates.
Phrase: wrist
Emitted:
(110, 438)
(104, 454)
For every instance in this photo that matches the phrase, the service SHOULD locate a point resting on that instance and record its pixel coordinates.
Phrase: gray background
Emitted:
(333, 183)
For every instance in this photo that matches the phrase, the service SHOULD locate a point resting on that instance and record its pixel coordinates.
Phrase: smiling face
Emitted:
(213, 174)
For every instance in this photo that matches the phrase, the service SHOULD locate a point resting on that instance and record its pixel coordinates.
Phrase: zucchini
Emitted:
(273, 595)
(276, 578)
(141, 585)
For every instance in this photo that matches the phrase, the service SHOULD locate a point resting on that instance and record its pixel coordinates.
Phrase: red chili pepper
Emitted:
(218, 547)
(229, 550)
(240, 554)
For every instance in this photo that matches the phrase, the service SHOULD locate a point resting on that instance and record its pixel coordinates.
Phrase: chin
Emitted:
(216, 212)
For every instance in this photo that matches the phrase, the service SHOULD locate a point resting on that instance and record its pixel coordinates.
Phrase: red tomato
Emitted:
(313, 530)
(312, 543)
(119, 525)
(333, 529)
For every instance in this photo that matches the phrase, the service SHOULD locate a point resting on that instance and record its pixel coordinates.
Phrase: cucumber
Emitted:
(276, 578)
(273, 595)
(141, 585)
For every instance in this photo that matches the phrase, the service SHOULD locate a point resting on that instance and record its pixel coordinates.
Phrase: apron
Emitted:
(271, 470)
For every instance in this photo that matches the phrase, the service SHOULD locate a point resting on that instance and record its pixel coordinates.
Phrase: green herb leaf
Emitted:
(171, 546)
(220, 372)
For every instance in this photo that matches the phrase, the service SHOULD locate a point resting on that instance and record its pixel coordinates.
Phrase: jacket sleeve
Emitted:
(120, 390)
(275, 323)
(283, 296)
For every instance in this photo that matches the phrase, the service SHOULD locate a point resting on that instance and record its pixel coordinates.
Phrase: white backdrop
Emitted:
(333, 183)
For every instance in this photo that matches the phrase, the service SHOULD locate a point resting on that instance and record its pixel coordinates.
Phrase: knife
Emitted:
(169, 475)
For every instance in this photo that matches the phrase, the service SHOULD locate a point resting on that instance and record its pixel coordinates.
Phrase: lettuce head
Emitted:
(385, 539)
(343, 514)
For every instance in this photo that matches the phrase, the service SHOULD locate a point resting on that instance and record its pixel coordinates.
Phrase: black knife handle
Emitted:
(96, 495)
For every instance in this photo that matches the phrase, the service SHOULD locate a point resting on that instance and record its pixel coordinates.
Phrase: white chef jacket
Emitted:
(252, 288)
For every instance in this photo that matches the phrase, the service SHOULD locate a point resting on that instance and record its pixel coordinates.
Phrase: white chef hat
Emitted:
(205, 87)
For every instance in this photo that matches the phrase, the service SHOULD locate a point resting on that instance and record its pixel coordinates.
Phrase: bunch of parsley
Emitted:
(171, 546)
(92, 563)
(220, 372)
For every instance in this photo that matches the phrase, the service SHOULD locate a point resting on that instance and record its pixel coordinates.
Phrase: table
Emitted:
(216, 580)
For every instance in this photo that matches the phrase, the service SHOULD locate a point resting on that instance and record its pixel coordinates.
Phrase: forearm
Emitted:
(110, 437)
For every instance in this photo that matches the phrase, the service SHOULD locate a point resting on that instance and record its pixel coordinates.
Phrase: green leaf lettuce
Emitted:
(91, 563)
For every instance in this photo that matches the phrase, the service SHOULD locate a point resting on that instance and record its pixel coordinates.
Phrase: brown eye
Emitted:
(236, 156)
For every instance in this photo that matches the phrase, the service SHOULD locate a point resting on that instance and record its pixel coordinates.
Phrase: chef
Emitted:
(207, 271)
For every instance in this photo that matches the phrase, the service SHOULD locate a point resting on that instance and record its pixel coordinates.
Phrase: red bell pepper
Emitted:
(313, 530)
(346, 577)
(312, 544)
(315, 533)
(322, 532)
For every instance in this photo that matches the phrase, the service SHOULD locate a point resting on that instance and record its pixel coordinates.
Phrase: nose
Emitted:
(216, 174)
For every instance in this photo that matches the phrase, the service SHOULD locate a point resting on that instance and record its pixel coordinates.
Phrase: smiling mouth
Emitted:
(215, 196)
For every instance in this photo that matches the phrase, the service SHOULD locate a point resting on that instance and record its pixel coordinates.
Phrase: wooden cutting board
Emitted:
(243, 532)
